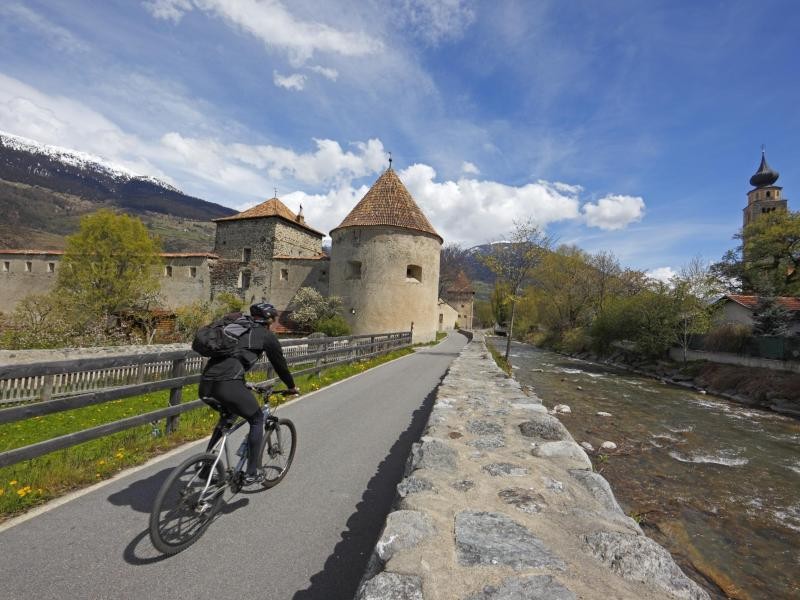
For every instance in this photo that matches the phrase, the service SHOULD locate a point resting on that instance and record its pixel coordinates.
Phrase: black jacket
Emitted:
(251, 346)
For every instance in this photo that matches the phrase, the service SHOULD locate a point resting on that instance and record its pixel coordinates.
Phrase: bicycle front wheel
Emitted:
(186, 503)
(280, 442)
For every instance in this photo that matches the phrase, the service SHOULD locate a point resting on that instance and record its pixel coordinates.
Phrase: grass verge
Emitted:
(33, 482)
(499, 358)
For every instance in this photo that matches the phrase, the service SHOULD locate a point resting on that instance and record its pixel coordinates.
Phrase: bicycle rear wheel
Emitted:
(280, 442)
(182, 510)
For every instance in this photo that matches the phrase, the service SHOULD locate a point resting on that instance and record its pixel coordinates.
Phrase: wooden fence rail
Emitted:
(87, 381)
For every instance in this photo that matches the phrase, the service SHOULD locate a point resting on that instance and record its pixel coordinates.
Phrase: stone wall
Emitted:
(23, 274)
(500, 503)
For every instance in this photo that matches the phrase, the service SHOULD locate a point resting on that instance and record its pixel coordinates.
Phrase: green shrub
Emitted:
(575, 340)
(728, 337)
(332, 326)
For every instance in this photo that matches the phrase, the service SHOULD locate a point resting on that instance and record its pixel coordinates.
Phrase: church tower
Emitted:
(765, 196)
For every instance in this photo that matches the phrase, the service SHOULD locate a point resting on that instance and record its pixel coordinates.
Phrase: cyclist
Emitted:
(223, 379)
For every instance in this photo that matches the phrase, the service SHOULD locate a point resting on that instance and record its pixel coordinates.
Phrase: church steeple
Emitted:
(765, 175)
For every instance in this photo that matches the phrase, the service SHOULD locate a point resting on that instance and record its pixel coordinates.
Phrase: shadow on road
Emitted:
(344, 568)
(139, 495)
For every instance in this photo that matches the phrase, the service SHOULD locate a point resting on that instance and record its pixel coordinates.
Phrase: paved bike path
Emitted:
(307, 539)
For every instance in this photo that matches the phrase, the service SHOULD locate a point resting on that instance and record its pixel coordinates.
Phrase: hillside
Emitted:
(44, 190)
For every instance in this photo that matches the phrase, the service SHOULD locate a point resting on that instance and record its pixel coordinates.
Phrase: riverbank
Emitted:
(756, 387)
(499, 501)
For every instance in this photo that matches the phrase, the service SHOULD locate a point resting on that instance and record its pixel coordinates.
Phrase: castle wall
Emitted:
(289, 275)
(397, 283)
(23, 274)
(184, 279)
(463, 304)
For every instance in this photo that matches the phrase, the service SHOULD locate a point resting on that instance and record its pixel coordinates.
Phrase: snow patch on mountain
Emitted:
(78, 159)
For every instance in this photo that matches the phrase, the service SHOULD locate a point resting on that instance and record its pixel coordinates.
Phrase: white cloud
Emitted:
(469, 168)
(274, 25)
(32, 21)
(295, 81)
(613, 211)
(437, 20)
(663, 274)
(326, 72)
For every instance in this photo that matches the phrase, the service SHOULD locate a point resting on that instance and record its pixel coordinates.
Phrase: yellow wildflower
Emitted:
(119, 455)
(101, 462)
(13, 482)
(2, 491)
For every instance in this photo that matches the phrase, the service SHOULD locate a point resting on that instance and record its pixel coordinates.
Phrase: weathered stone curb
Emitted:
(500, 503)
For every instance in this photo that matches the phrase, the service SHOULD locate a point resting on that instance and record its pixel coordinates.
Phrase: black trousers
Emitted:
(238, 400)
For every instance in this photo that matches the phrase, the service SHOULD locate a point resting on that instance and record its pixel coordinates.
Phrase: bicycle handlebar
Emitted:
(267, 388)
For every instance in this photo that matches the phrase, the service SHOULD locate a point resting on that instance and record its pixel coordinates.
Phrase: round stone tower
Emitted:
(385, 263)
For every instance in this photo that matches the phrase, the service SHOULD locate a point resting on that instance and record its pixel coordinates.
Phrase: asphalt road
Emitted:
(308, 538)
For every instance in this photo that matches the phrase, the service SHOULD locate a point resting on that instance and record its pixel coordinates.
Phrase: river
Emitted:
(716, 483)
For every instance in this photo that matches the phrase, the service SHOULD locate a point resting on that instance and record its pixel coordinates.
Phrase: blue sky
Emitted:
(629, 126)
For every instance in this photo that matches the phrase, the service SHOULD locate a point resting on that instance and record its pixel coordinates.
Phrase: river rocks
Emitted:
(608, 446)
(527, 501)
(562, 409)
(566, 451)
(391, 586)
(638, 558)
(413, 485)
(487, 538)
(404, 529)
(500, 469)
(432, 454)
(599, 488)
(602, 413)
(544, 427)
(536, 587)
(587, 446)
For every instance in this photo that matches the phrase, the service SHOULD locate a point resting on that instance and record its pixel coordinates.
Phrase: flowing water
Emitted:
(716, 483)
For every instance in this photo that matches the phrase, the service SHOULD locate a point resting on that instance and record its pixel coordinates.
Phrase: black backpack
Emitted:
(221, 338)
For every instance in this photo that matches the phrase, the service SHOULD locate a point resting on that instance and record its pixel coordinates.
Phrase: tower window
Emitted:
(767, 193)
(192, 271)
(168, 271)
(244, 280)
(246, 252)
(51, 267)
(284, 274)
(354, 269)
(413, 273)
(28, 266)
(6, 266)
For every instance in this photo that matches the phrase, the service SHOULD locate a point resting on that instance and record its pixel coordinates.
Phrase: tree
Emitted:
(566, 289)
(767, 259)
(693, 290)
(109, 265)
(452, 261)
(514, 260)
(770, 317)
(311, 307)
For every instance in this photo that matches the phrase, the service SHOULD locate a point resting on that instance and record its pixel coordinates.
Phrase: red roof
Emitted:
(320, 256)
(750, 302)
(271, 208)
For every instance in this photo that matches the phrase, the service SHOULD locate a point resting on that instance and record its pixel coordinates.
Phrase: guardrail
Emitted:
(128, 373)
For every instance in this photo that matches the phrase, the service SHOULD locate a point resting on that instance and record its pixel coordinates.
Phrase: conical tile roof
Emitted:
(271, 208)
(461, 285)
(388, 202)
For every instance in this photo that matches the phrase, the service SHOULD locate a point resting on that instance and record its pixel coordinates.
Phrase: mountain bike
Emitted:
(194, 492)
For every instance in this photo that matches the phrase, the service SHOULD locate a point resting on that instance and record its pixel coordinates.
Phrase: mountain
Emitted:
(45, 189)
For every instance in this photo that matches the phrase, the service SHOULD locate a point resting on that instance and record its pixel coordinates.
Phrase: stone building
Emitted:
(185, 276)
(765, 196)
(267, 253)
(385, 263)
(460, 295)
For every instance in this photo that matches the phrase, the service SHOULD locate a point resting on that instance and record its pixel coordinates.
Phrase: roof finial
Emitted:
(276, 193)
(763, 149)
(390, 160)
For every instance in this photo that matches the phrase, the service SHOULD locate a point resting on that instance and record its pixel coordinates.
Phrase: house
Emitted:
(736, 308)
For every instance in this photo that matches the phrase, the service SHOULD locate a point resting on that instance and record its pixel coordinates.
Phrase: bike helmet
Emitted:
(262, 311)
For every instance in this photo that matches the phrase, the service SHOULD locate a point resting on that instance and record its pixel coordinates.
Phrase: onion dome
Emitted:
(388, 202)
(765, 175)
